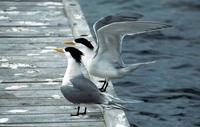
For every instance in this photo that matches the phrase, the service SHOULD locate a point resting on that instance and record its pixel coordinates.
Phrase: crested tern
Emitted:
(105, 61)
(80, 90)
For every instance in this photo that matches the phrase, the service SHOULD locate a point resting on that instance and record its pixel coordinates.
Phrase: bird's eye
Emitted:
(66, 50)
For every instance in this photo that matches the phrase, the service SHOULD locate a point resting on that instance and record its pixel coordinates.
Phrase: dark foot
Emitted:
(83, 113)
(102, 89)
(79, 113)
(102, 81)
(71, 114)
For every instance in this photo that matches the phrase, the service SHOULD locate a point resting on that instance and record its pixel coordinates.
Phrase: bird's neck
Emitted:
(87, 57)
(73, 70)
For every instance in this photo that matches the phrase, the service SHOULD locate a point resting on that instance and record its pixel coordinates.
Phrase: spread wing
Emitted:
(110, 37)
(119, 17)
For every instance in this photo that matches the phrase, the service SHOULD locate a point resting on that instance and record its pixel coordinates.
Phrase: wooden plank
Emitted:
(42, 13)
(40, 47)
(118, 117)
(83, 124)
(31, 58)
(77, 20)
(21, 102)
(27, 48)
(30, 0)
(33, 41)
(34, 32)
(27, 15)
(13, 6)
(50, 94)
(38, 74)
(36, 3)
(33, 75)
(30, 18)
(58, 124)
(31, 110)
(26, 23)
(48, 85)
(35, 59)
(24, 52)
(39, 64)
(48, 118)
(31, 11)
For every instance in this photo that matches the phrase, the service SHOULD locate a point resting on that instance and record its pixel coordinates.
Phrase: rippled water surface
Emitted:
(170, 88)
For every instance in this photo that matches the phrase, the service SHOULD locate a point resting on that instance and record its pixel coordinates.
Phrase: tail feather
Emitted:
(115, 100)
(132, 67)
(120, 101)
(117, 106)
(138, 65)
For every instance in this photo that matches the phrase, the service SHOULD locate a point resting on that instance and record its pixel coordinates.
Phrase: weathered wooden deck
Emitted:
(31, 73)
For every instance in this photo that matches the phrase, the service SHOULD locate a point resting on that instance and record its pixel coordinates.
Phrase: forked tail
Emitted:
(132, 67)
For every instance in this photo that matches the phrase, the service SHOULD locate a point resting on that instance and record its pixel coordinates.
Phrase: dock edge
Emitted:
(80, 28)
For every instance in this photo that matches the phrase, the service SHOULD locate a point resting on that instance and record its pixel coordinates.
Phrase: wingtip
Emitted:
(163, 26)
(168, 25)
(150, 62)
(153, 61)
(134, 15)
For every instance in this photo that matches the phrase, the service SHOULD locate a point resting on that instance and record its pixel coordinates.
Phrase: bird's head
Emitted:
(80, 42)
(74, 52)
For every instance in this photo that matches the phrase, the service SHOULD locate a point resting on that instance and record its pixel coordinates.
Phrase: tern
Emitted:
(79, 90)
(105, 61)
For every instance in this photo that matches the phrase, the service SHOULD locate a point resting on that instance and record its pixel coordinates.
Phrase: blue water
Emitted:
(170, 88)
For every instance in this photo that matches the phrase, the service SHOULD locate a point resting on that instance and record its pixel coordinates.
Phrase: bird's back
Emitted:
(82, 91)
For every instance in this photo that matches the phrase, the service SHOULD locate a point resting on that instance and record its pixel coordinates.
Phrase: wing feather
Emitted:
(119, 17)
(84, 84)
(110, 36)
(83, 91)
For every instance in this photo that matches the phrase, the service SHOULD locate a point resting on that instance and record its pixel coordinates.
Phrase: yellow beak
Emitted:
(69, 42)
(58, 50)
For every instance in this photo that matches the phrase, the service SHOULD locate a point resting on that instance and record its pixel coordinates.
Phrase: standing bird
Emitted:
(106, 62)
(81, 91)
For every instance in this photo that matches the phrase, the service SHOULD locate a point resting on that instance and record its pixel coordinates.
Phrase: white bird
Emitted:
(106, 62)
(81, 91)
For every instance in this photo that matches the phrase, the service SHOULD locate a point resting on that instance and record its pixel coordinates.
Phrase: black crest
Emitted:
(84, 42)
(75, 53)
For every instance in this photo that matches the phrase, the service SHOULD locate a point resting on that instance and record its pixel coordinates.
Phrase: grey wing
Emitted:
(119, 17)
(110, 36)
(82, 83)
(78, 96)
(83, 91)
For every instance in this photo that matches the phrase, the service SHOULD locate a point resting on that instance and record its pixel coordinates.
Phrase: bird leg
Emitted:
(103, 89)
(83, 113)
(79, 113)
(105, 85)
(102, 81)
